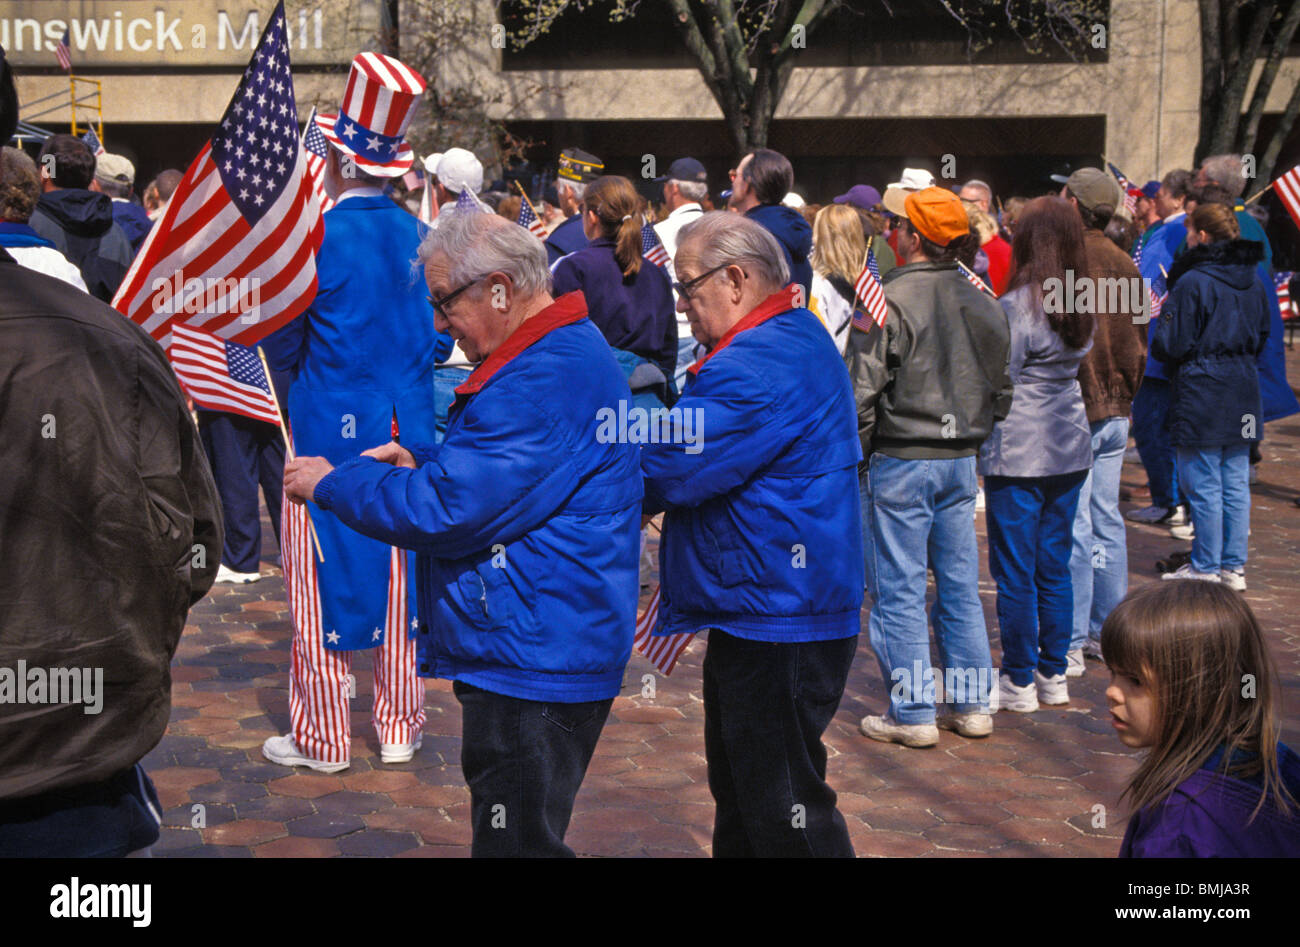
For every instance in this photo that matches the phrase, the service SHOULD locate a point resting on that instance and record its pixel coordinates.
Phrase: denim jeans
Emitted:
(1150, 420)
(445, 381)
(916, 512)
(1216, 482)
(685, 359)
(1099, 561)
(766, 706)
(1030, 520)
(524, 761)
(244, 453)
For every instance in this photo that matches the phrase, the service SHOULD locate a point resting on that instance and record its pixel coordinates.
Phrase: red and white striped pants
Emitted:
(319, 678)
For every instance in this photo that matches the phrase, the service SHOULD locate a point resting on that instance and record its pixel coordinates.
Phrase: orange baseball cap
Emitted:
(935, 212)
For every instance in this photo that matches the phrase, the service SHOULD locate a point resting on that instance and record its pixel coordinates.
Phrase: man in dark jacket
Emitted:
(115, 176)
(929, 383)
(759, 184)
(1109, 376)
(78, 221)
(577, 170)
(111, 531)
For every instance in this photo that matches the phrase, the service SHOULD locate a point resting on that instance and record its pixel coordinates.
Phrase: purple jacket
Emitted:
(1205, 817)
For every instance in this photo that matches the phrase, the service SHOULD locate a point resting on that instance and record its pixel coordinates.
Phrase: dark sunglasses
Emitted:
(684, 289)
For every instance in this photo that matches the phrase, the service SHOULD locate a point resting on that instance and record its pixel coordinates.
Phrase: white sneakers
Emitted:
(400, 752)
(1052, 691)
(230, 575)
(909, 734)
(284, 751)
(1234, 579)
(1007, 696)
(1185, 531)
(1074, 663)
(1186, 571)
(973, 724)
(1159, 516)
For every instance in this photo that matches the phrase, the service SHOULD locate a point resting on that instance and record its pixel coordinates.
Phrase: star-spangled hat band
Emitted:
(379, 102)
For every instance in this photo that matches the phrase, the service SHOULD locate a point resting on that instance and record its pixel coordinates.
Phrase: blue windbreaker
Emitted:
(763, 536)
(526, 524)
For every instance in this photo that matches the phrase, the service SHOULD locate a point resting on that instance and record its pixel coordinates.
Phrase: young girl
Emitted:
(1193, 683)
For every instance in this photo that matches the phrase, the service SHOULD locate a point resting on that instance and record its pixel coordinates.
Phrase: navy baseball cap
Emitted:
(860, 195)
(684, 169)
(1149, 189)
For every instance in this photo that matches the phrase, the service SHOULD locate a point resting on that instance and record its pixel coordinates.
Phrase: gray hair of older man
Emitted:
(1225, 171)
(481, 243)
(719, 238)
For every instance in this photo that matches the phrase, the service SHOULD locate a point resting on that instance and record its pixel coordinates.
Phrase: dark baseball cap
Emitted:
(1094, 188)
(684, 169)
(860, 195)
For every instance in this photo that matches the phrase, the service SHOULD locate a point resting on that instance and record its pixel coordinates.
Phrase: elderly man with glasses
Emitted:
(525, 525)
(761, 541)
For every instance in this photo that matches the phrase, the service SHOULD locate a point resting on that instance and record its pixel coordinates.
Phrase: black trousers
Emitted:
(244, 453)
(524, 762)
(766, 707)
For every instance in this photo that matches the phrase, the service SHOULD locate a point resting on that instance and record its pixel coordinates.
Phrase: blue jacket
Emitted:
(633, 313)
(762, 537)
(795, 237)
(526, 524)
(364, 349)
(565, 238)
(134, 221)
(1157, 257)
(1211, 330)
(1207, 816)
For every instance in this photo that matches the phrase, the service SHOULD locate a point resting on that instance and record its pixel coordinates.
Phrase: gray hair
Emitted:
(114, 188)
(481, 243)
(692, 190)
(979, 185)
(1225, 171)
(724, 239)
(577, 187)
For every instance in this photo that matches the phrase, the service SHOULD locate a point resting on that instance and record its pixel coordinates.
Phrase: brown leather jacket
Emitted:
(1112, 370)
(110, 529)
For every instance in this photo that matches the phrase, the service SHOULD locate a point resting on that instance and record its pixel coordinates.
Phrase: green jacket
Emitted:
(933, 380)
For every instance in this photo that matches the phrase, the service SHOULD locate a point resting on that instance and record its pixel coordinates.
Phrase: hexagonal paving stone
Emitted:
(376, 843)
(325, 825)
(344, 802)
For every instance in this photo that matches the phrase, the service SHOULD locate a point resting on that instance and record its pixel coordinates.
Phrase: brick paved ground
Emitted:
(1032, 788)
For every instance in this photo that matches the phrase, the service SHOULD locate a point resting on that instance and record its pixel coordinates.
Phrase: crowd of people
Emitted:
(472, 525)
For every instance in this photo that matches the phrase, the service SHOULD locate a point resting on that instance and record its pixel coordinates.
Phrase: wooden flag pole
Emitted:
(1260, 193)
(288, 448)
(975, 276)
(524, 195)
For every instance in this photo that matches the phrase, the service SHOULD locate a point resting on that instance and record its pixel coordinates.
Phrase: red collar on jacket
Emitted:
(783, 300)
(568, 309)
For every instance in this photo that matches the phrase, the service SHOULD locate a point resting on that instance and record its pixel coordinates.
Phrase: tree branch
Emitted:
(1238, 76)
(1267, 75)
(1264, 169)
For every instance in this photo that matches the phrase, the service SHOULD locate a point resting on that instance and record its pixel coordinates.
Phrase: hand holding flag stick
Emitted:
(288, 448)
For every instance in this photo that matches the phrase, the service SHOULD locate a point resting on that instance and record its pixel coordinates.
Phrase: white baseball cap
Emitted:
(793, 200)
(458, 169)
(431, 162)
(915, 179)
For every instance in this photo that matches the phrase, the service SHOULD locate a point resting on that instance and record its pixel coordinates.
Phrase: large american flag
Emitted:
(316, 152)
(652, 249)
(63, 52)
(244, 212)
(221, 375)
(663, 651)
(1282, 280)
(1287, 188)
(528, 220)
(871, 294)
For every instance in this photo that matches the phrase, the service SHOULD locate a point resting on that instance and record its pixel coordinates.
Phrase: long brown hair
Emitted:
(614, 201)
(1048, 242)
(1199, 648)
(1217, 220)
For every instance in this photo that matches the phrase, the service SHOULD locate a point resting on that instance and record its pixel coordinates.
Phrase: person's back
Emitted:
(1112, 370)
(793, 234)
(79, 223)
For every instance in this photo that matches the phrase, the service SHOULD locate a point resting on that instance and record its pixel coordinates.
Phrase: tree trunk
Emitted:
(1264, 169)
(1250, 123)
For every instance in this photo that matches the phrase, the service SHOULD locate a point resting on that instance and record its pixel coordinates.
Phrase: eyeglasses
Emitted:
(440, 305)
(685, 290)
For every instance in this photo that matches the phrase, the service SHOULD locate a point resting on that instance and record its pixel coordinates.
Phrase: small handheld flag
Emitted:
(975, 280)
(528, 219)
(221, 375)
(651, 248)
(663, 651)
(316, 151)
(92, 141)
(871, 294)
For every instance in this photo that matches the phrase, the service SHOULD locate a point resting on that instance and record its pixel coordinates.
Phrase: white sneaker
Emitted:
(909, 734)
(1234, 579)
(230, 575)
(1178, 516)
(1052, 691)
(400, 752)
(284, 751)
(1186, 571)
(1183, 531)
(979, 499)
(1007, 696)
(974, 724)
(1092, 649)
(1150, 514)
(1074, 665)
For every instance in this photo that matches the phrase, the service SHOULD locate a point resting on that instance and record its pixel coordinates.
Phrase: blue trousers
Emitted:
(1099, 561)
(1150, 430)
(1030, 521)
(244, 453)
(1216, 482)
(445, 381)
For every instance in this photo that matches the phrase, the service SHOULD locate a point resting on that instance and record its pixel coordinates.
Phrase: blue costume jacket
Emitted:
(365, 349)
(527, 523)
(762, 536)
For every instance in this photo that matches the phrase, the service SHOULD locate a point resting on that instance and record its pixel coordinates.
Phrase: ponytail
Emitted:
(627, 251)
(614, 201)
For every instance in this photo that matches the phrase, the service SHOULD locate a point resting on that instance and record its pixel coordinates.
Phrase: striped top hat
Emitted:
(378, 105)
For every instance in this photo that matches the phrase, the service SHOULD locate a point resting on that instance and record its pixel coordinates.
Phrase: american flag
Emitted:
(1137, 251)
(652, 249)
(316, 152)
(663, 651)
(221, 375)
(1157, 302)
(1282, 280)
(528, 220)
(63, 52)
(975, 280)
(244, 212)
(872, 295)
(1125, 185)
(1287, 188)
(92, 141)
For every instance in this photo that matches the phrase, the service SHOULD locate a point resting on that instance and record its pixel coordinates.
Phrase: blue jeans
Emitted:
(1216, 482)
(1099, 561)
(1150, 420)
(1029, 521)
(445, 382)
(916, 512)
(685, 359)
